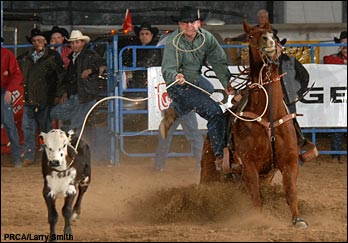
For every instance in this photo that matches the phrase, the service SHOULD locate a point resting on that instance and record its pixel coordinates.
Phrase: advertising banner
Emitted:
(324, 106)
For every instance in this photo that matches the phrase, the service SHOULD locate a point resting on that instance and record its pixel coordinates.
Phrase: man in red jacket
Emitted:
(341, 56)
(338, 58)
(11, 77)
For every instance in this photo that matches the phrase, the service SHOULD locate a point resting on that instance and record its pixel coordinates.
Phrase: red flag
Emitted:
(127, 23)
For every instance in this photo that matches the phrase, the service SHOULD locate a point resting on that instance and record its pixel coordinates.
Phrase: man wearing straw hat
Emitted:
(79, 90)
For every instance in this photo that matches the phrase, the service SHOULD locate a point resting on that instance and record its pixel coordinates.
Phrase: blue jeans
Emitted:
(34, 117)
(11, 129)
(190, 127)
(187, 98)
(71, 110)
(336, 143)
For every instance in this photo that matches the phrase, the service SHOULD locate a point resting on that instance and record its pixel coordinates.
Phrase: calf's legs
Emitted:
(52, 213)
(77, 206)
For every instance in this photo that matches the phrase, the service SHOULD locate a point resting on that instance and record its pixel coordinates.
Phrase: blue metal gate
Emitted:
(121, 134)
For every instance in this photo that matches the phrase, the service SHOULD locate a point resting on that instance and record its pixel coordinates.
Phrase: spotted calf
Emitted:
(66, 172)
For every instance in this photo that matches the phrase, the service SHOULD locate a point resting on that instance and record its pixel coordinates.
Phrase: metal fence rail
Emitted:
(117, 112)
(133, 67)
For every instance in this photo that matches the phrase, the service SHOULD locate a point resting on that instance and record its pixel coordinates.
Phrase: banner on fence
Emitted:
(324, 106)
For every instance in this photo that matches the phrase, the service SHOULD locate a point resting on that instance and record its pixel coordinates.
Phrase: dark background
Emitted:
(157, 13)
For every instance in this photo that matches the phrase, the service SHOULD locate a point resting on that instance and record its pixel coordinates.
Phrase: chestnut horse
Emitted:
(267, 143)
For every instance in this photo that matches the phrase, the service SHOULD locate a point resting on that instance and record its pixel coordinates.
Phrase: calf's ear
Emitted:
(42, 138)
(70, 134)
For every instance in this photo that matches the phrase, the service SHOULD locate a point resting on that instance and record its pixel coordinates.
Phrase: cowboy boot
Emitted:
(310, 150)
(167, 121)
(301, 140)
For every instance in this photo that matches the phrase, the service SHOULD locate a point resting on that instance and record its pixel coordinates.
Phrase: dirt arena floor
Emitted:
(134, 202)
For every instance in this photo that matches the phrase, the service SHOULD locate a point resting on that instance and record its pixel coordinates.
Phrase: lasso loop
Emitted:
(195, 86)
(177, 48)
(176, 44)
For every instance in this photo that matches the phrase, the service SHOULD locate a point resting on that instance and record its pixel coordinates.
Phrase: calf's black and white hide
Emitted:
(66, 172)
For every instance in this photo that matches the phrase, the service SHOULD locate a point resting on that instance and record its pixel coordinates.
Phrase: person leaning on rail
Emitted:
(294, 80)
(43, 72)
(338, 58)
(79, 90)
(187, 49)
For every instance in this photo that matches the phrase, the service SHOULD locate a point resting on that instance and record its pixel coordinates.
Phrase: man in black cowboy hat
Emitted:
(294, 85)
(187, 49)
(295, 82)
(42, 70)
(146, 33)
(343, 36)
(62, 31)
(60, 36)
(37, 32)
(338, 58)
(145, 57)
(341, 56)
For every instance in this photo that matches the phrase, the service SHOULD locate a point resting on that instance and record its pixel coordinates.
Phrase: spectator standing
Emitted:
(43, 71)
(11, 78)
(189, 126)
(262, 19)
(295, 81)
(241, 56)
(145, 57)
(294, 84)
(60, 36)
(187, 49)
(79, 89)
(338, 58)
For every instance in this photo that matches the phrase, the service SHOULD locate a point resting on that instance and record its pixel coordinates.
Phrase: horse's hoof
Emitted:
(300, 223)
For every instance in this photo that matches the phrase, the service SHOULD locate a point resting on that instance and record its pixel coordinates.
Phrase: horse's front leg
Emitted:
(290, 173)
(251, 177)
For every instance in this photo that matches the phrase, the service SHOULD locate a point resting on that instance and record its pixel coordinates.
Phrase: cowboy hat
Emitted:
(77, 35)
(145, 26)
(36, 32)
(282, 42)
(343, 35)
(188, 14)
(62, 31)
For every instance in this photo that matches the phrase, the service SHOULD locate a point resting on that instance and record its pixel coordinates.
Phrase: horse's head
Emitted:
(261, 41)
